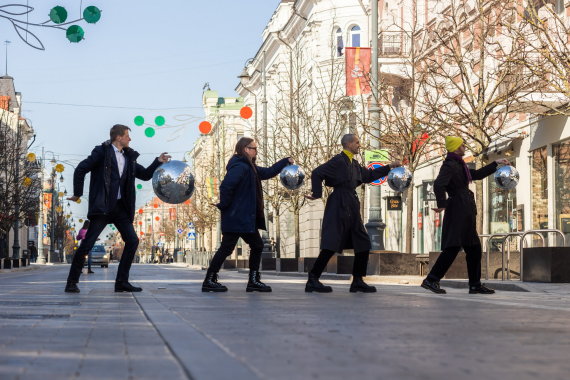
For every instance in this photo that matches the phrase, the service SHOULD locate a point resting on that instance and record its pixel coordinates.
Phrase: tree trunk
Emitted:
(409, 218)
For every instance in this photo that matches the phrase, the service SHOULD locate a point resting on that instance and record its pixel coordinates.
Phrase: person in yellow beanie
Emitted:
(459, 223)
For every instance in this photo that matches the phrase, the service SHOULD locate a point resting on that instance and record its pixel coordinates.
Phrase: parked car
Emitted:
(99, 256)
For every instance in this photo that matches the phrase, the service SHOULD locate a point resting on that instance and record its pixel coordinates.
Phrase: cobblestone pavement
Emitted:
(172, 330)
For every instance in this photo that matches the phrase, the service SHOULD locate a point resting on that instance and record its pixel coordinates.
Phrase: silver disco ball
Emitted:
(172, 182)
(399, 179)
(507, 177)
(292, 177)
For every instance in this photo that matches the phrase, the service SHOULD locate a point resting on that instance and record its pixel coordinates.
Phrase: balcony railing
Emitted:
(393, 44)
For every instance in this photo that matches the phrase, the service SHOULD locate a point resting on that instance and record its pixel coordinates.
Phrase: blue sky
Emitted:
(148, 58)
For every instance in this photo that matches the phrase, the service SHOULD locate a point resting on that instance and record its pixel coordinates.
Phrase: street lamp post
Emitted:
(375, 225)
(17, 184)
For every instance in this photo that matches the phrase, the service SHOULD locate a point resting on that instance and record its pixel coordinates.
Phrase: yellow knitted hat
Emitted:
(452, 143)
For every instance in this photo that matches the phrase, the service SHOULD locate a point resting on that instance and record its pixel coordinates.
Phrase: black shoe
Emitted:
(211, 284)
(255, 285)
(433, 286)
(71, 287)
(314, 285)
(125, 286)
(481, 289)
(358, 285)
(90, 271)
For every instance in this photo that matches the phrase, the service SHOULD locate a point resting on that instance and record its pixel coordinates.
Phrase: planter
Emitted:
(287, 265)
(268, 264)
(546, 264)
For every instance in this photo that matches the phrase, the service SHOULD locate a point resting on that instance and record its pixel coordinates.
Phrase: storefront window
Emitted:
(539, 189)
(562, 186)
(502, 209)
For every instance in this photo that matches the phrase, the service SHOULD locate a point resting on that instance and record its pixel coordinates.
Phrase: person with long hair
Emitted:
(241, 206)
(81, 236)
(459, 223)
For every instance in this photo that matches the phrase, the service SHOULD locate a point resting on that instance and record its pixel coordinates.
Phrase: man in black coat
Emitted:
(241, 205)
(342, 224)
(459, 223)
(113, 167)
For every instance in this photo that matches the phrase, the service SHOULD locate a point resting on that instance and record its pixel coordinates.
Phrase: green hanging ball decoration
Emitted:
(74, 33)
(149, 132)
(92, 14)
(139, 120)
(139, 186)
(58, 15)
(159, 120)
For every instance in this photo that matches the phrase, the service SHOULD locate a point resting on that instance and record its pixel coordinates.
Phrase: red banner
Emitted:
(357, 71)
(172, 213)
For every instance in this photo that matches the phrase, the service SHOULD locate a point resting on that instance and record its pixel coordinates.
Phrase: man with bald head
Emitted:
(342, 223)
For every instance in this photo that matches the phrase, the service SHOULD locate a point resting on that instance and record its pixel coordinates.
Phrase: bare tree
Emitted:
(472, 85)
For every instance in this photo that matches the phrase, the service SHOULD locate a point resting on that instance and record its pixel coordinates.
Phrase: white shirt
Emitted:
(120, 164)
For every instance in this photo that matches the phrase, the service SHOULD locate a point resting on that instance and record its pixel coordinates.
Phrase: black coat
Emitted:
(459, 221)
(105, 180)
(238, 196)
(342, 226)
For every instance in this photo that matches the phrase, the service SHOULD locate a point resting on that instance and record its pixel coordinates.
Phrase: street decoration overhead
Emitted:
(18, 15)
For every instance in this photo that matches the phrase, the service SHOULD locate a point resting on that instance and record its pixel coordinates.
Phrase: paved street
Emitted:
(173, 330)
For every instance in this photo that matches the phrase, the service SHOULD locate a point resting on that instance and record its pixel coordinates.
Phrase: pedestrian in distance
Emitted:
(33, 251)
(81, 236)
(342, 223)
(241, 206)
(459, 222)
(113, 167)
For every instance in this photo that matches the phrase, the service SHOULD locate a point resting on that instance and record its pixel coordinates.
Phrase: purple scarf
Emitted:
(458, 158)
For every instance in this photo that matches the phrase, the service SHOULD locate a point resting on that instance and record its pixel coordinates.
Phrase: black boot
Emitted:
(211, 284)
(125, 286)
(314, 285)
(433, 286)
(481, 289)
(254, 284)
(71, 287)
(358, 285)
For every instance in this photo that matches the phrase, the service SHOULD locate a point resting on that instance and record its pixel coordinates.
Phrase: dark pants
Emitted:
(448, 255)
(121, 219)
(358, 269)
(229, 241)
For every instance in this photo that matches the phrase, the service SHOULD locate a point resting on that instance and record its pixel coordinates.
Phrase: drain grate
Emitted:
(34, 316)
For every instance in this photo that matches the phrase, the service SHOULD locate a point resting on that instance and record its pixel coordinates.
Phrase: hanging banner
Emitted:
(172, 213)
(47, 200)
(357, 71)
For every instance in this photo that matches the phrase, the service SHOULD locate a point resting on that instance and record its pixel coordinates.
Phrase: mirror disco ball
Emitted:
(399, 179)
(507, 177)
(172, 182)
(292, 177)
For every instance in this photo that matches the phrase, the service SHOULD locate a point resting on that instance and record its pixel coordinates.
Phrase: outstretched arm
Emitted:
(370, 175)
(267, 173)
(484, 171)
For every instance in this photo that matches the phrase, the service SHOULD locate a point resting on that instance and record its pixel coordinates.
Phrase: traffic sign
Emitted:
(374, 165)
(190, 224)
(179, 230)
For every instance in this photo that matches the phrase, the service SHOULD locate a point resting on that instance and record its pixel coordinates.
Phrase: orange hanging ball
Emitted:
(245, 112)
(205, 127)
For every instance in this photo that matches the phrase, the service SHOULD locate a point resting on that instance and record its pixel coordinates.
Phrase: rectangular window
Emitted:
(539, 189)
(559, 6)
(356, 40)
(561, 154)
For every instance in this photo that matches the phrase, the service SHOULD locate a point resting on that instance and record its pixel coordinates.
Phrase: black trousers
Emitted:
(358, 269)
(448, 255)
(123, 221)
(229, 241)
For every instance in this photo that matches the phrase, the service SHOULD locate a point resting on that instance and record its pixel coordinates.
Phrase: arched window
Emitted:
(355, 36)
(339, 43)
